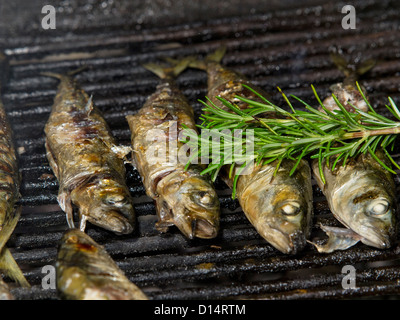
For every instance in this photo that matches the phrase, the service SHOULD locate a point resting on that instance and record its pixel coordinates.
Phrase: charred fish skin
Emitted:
(361, 193)
(85, 271)
(87, 162)
(10, 211)
(9, 173)
(280, 207)
(184, 198)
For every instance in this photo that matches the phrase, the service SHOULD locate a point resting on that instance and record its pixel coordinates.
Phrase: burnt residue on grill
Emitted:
(273, 46)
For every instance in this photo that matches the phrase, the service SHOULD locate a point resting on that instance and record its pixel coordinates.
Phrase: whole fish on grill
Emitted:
(10, 211)
(85, 271)
(361, 194)
(280, 206)
(184, 198)
(87, 162)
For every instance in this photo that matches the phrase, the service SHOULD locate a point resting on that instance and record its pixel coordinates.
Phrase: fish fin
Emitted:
(77, 70)
(11, 268)
(215, 56)
(82, 222)
(61, 76)
(9, 226)
(131, 121)
(342, 64)
(50, 158)
(121, 151)
(339, 239)
(89, 106)
(349, 69)
(165, 216)
(365, 66)
(64, 201)
(173, 71)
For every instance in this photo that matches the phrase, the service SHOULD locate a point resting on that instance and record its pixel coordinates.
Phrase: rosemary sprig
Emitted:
(295, 134)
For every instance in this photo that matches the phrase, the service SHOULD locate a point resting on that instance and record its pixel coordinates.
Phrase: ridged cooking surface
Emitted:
(287, 48)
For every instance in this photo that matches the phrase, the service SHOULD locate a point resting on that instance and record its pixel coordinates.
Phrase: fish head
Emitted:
(279, 208)
(286, 218)
(278, 204)
(106, 203)
(369, 208)
(192, 205)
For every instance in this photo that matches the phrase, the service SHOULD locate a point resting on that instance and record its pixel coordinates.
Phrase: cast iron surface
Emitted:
(286, 47)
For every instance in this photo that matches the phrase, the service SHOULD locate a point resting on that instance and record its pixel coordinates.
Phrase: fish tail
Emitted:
(349, 69)
(173, 71)
(7, 262)
(201, 64)
(11, 268)
(60, 76)
(215, 56)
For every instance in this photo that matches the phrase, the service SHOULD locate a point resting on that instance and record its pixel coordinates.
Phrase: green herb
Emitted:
(296, 134)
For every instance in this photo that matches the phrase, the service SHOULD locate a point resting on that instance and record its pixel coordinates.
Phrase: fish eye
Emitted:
(204, 198)
(290, 208)
(116, 198)
(379, 207)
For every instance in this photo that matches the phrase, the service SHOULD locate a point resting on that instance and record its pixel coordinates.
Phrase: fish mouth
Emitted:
(197, 227)
(112, 220)
(289, 243)
(374, 222)
(286, 229)
(374, 237)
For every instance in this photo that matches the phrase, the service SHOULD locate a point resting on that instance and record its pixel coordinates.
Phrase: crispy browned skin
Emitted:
(85, 271)
(280, 207)
(9, 174)
(183, 197)
(86, 161)
(9, 190)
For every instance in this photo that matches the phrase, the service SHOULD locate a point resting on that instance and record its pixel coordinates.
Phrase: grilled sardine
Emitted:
(9, 189)
(280, 207)
(184, 198)
(87, 162)
(85, 271)
(361, 194)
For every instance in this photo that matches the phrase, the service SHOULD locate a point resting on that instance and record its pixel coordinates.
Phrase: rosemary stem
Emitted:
(370, 133)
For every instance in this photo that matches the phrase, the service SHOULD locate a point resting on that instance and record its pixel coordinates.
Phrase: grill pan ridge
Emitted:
(286, 47)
